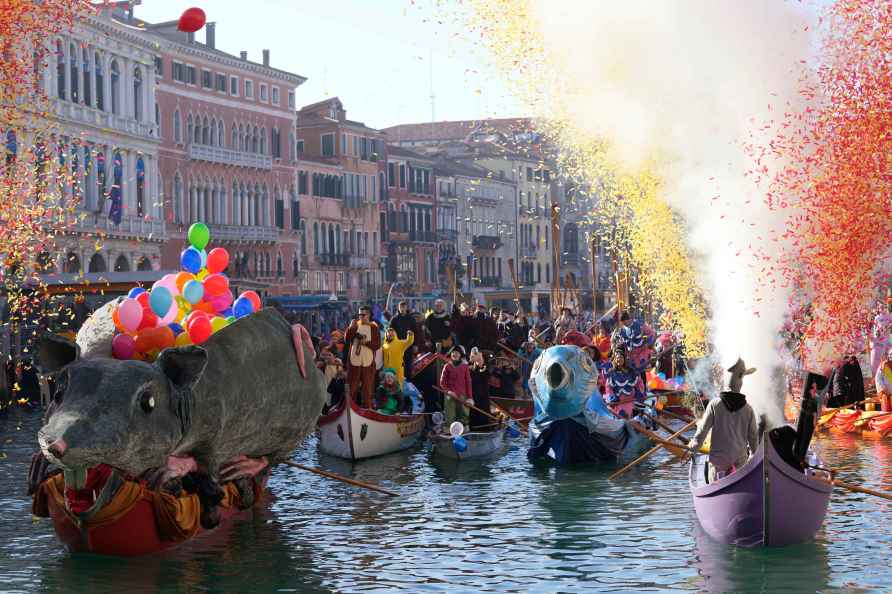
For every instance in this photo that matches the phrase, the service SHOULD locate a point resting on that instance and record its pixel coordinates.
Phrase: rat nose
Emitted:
(57, 448)
(556, 375)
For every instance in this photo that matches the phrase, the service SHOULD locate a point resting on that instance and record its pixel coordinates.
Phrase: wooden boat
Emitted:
(480, 444)
(520, 409)
(351, 432)
(766, 502)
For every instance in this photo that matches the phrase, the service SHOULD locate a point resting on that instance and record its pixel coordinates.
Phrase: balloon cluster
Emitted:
(183, 308)
(458, 442)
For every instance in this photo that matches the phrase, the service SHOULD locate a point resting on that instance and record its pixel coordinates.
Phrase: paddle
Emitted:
(650, 452)
(857, 489)
(658, 422)
(343, 479)
(466, 405)
(667, 444)
(684, 418)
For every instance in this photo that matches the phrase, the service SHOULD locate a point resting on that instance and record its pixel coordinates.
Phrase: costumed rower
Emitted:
(883, 381)
(363, 339)
(394, 350)
(624, 386)
(480, 374)
(733, 425)
(456, 382)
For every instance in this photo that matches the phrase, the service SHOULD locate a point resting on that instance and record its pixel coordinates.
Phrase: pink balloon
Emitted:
(170, 316)
(130, 314)
(168, 281)
(123, 347)
(221, 302)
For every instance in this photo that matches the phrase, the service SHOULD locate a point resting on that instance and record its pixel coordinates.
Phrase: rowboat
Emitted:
(520, 409)
(351, 432)
(766, 502)
(480, 444)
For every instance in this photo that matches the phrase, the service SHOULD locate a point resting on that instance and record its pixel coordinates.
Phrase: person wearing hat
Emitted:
(438, 325)
(363, 339)
(733, 425)
(389, 398)
(623, 385)
(394, 350)
(455, 381)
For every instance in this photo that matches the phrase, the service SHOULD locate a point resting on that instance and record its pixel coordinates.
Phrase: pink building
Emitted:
(228, 157)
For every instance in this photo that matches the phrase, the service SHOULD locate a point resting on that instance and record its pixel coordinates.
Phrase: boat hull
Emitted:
(479, 445)
(353, 433)
(520, 409)
(764, 503)
(566, 442)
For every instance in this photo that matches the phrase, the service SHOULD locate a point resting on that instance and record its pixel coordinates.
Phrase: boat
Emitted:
(354, 433)
(520, 409)
(767, 502)
(480, 444)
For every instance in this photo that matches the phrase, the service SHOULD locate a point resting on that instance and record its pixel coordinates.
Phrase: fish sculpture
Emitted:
(225, 410)
(572, 423)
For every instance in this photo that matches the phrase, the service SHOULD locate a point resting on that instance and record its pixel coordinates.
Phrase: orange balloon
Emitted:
(117, 322)
(154, 338)
(182, 278)
(205, 307)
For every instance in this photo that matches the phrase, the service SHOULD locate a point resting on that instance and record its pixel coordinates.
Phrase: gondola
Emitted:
(479, 444)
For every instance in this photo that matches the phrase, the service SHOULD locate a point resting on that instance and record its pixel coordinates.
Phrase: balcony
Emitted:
(224, 156)
(486, 242)
(105, 119)
(244, 233)
(493, 282)
(532, 212)
(334, 259)
(361, 262)
(132, 226)
(423, 236)
(450, 235)
(398, 236)
(529, 251)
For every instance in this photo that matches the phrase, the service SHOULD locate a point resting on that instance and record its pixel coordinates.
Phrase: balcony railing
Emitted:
(131, 226)
(224, 156)
(489, 281)
(105, 119)
(487, 242)
(423, 236)
(362, 262)
(334, 259)
(243, 233)
(450, 235)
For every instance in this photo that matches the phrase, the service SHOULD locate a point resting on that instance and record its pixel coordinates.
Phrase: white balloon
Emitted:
(456, 429)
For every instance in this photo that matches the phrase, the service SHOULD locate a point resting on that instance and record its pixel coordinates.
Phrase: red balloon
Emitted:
(215, 284)
(149, 319)
(200, 330)
(253, 297)
(191, 20)
(218, 260)
(192, 317)
(143, 299)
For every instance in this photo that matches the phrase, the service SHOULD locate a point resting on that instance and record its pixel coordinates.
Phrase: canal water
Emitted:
(496, 526)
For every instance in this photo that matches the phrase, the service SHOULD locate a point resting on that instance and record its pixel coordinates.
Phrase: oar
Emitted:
(505, 412)
(466, 405)
(650, 452)
(866, 420)
(515, 353)
(658, 422)
(343, 479)
(684, 418)
(857, 489)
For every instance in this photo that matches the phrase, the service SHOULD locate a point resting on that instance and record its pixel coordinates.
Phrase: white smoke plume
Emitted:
(686, 82)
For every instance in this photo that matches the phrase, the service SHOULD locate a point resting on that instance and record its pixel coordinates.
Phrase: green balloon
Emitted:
(199, 235)
(230, 319)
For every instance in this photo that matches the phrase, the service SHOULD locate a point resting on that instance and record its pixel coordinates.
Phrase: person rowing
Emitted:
(733, 424)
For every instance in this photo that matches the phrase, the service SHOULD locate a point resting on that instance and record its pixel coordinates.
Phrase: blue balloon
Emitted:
(226, 313)
(204, 258)
(177, 329)
(135, 292)
(460, 444)
(193, 291)
(160, 301)
(512, 429)
(242, 307)
(190, 260)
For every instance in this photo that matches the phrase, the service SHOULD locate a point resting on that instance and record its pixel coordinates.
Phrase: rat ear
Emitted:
(183, 366)
(55, 352)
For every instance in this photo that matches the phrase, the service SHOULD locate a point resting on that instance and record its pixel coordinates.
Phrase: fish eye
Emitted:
(147, 401)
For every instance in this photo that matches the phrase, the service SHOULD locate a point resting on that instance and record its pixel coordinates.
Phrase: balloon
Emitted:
(202, 274)
(206, 307)
(143, 299)
(130, 314)
(191, 21)
(181, 279)
(135, 291)
(160, 300)
(221, 303)
(116, 320)
(172, 315)
(460, 444)
(169, 282)
(218, 323)
(230, 319)
(216, 284)
(193, 291)
(123, 347)
(192, 317)
(255, 299)
(242, 307)
(199, 235)
(456, 429)
(176, 328)
(149, 319)
(218, 260)
(183, 340)
(204, 260)
(190, 260)
(227, 313)
(200, 330)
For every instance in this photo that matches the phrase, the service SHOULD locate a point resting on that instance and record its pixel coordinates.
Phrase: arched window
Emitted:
(137, 93)
(241, 138)
(177, 127)
(88, 97)
(196, 138)
(295, 267)
(315, 239)
(140, 186)
(60, 70)
(100, 178)
(116, 209)
(205, 131)
(73, 58)
(189, 128)
(97, 264)
(115, 87)
(44, 264)
(143, 264)
(177, 199)
(221, 134)
(121, 264)
(263, 141)
(255, 141)
(331, 239)
(234, 144)
(337, 246)
(303, 238)
(404, 219)
(100, 81)
(72, 263)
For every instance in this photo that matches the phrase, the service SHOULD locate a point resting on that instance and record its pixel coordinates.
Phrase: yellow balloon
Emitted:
(201, 274)
(183, 340)
(218, 323)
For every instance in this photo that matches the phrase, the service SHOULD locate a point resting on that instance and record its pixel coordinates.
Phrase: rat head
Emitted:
(127, 414)
(562, 379)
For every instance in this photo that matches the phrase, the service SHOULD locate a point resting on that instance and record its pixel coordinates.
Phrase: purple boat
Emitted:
(767, 502)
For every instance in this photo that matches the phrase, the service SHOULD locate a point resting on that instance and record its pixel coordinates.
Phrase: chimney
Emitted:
(266, 57)
(244, 55)
(210, 32)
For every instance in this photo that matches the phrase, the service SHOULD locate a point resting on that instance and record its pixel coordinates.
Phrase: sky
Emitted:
(381, 57)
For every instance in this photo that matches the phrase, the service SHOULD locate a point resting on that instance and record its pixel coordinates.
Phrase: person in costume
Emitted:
(404, 324)
(394, 350)
(883, 381)
(455, 381)
(565, 322)
(636, 339)
(847, 384)
(529, 352)
(733, 425)
(601, 341)
(879, 340)
(389, 395)
(480, 373)
(623, 385)
(363, 338)
(439, 326)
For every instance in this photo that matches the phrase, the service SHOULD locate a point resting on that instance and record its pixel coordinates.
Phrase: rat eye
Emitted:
(147, 401)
